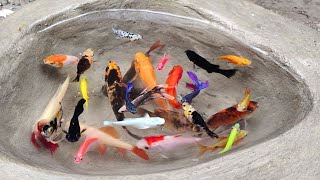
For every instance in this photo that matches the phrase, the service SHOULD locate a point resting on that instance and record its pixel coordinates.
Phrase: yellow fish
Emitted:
(243, 104)
(84, 89)
(241, 61)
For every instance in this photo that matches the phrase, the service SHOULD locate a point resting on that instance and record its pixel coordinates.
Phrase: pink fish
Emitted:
(163, 61)
(83, 149)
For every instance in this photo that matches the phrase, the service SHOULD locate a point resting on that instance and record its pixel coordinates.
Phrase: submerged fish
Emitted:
(129, 105)
(197, 87)
(222, 141)
(243, 105)
(84, 63)
(241, 61)
(206, 65)
(74, 132)
(84, 89)
(126, 35)
(60, 60)
(163, 61)
(145, 122)
(232, 137)
(230, 115)
(195, 118)
(173, 79)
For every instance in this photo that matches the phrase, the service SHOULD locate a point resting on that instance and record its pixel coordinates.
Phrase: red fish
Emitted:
(50, 146)
(173, 79)
(163, 61)
(230, 115)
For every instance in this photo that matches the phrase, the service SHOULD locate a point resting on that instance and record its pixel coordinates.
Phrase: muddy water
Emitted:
(30, 84)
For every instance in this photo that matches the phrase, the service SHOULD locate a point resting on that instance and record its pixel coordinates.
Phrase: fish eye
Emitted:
(189, 111)
(146, 147)
(81, 158)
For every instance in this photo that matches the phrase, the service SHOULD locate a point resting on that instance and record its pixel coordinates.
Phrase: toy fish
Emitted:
(84, 63)
(174, 121)
(230, 115)
(222, 141)
(146, 96)
(45, 126)
(232, 137)
(74, 132)
(60, 60)
(84, 89)
(87, 144)
(198, 87)
(206, 65)
(129, 105)
(162, 144)
(241, 61)
(242, 106)
(163, 61)
(106, 139)
(173, 79)
(145, 122)
(127, 35)
(195, 118)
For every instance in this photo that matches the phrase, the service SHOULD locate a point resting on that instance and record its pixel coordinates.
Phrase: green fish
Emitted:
(232, 137)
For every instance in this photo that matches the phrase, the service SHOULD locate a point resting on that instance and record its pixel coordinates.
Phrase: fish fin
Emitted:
(193, 77)
(102, 149)
(83, 130)
(203, 85)
(190, 86)
(202, 149)
(34, 140)
(122, 151)
(164, 156)
(154, 46)
(131, 134)
(111, 131)
(141, 153)
(77, 79)
(146, 115)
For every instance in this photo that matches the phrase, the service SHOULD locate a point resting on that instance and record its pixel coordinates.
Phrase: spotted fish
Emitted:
(126, 35)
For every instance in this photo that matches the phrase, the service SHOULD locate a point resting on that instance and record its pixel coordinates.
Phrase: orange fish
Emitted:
(230, 115)
(172, 81)
(60, 60)
(241, 61)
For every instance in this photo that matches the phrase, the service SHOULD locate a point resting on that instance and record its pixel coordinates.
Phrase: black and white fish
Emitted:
(126, 35)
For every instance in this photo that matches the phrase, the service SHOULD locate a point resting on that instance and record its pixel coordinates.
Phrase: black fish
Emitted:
(206, 65)
(84, 63)
(197, 119)
(74, 133)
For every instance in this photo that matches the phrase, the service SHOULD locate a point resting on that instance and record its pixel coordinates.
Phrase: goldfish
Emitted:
(107, 139)
(222, 141)
(84, 63)
(163, 61)
(44, 129)
(84, 89)
(232, 137)
(230, 115)
(174, 121)
(242, 106)
(145, 122)
(195, 118)
(241, 61)
(127, 35)
(85, 146)
(60, 60)
(206, 65)
(74, 132)
(142, 67)
(197, 87)
(172, 81)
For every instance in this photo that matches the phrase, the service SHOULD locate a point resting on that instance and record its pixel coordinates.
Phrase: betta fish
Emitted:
(163, 61)
(126, 35)
(84, 63)
(197, 87)
(173, 79)
(60, 60)
(232, 137)
(240, 61)
(206, 65)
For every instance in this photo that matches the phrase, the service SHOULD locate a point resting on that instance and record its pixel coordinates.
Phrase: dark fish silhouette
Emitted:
(206, 65)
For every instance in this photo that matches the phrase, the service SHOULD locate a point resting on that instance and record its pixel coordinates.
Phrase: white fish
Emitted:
(128, 35)
(5, 12)
(145, 122)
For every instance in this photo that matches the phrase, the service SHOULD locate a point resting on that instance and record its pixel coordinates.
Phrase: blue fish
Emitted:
(130, 106)
(197, 87)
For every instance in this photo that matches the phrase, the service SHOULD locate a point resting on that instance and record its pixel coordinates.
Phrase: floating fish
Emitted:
(243, 105)
(206, 65)
(145, 122)
(195, 118)
(107, 139)
(84, 89)
(84, 63)
(163, 61)
(232, 137)
(89, 141)
(197, 87)
(230, 115)
(241, 61)
(174, 121)
(222, 141)
(173, 79)
(74, 132)
(5, 12)
(126, 35)
(60, 60)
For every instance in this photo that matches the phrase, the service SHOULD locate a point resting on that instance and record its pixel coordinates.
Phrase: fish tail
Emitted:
(190, 86)
(107, 123)
(202, 149)
(77, 79)
(79, 108)
(34, 140)
(154, 46)
(122, 151)
(210, 133)
(228, 73)
(203, 85)
(141, 153)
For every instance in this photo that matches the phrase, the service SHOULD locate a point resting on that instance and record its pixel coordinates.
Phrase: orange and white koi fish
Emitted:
(241, 61)
(60, 60)
(84, 63)
(243, 105)
(163, 61)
